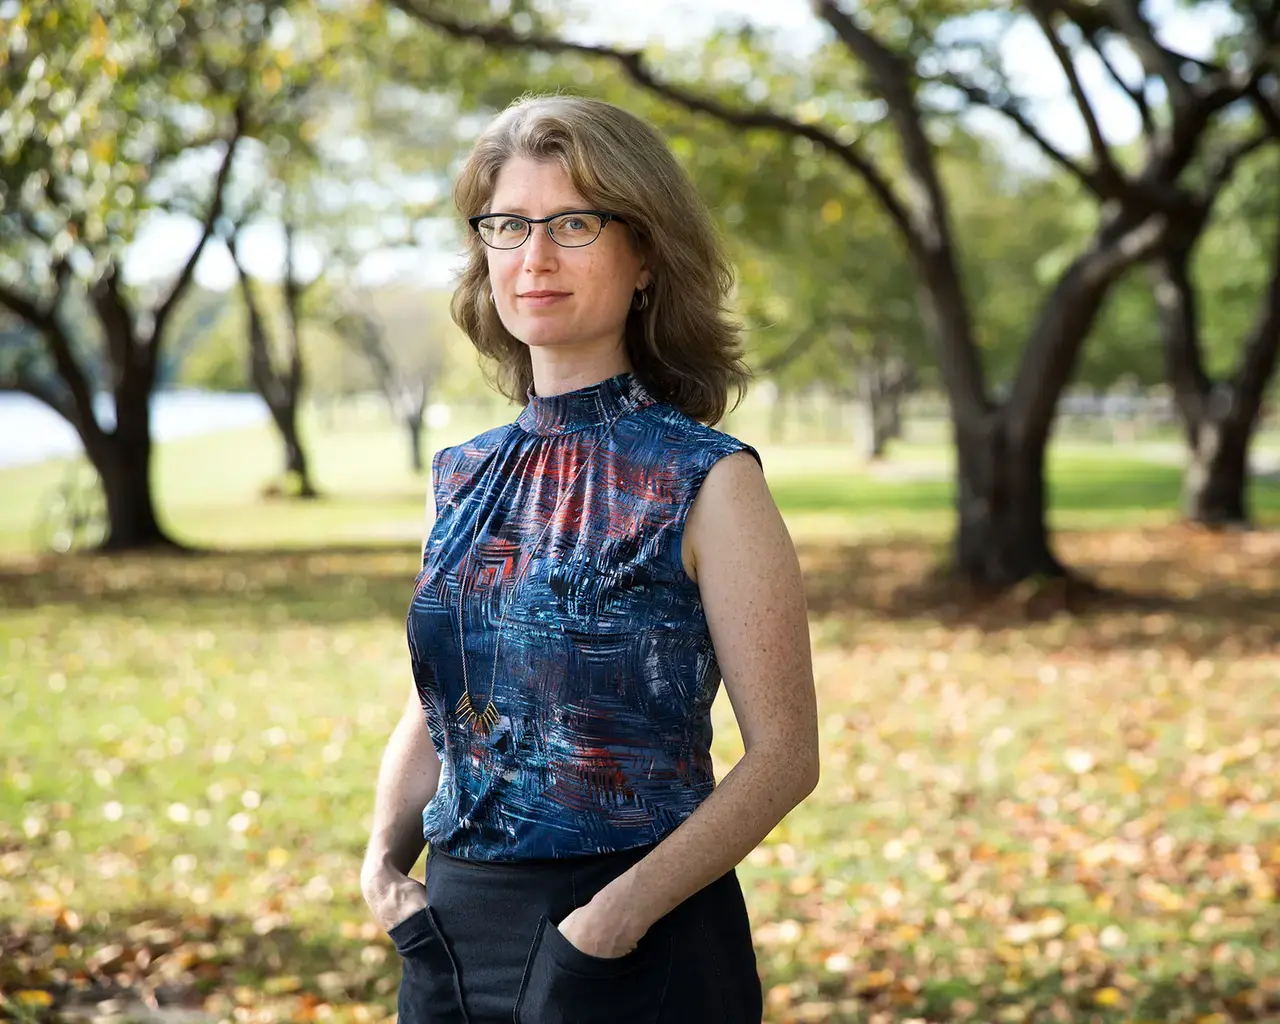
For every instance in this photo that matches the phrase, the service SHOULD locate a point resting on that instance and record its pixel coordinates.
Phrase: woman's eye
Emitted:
(575, 224)
(511, 226)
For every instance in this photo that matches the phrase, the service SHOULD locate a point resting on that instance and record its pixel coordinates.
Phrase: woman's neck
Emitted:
(556, 373)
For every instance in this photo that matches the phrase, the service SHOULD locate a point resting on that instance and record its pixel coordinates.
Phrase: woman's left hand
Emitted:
(596, 931)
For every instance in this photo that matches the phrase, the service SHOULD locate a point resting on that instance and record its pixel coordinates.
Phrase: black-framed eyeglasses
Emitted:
(571, 229)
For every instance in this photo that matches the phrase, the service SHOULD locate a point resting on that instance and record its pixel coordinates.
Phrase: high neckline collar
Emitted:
(593, 406)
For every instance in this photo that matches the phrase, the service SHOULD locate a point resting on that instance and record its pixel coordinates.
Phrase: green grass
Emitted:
(209, 487)
(1022, 817)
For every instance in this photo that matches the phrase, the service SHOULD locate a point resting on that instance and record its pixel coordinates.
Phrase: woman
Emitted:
(592, 572)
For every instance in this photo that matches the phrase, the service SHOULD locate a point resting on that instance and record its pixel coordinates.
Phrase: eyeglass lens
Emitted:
(570, 230)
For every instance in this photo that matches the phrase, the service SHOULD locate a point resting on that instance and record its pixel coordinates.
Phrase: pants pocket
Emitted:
(429, 990)
(563, 985)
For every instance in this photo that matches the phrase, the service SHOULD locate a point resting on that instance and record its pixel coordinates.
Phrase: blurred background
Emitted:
(1009, 278)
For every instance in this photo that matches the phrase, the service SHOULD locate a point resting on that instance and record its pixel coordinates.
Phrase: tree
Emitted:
(406, 374)
(279, 385)
(1219, 416)
(1002, 535)
(826, 290)
(94, 121)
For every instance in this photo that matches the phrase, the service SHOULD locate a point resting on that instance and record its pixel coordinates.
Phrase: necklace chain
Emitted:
(483, 719)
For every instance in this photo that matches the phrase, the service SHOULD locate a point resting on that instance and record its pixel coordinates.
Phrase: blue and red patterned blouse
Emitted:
(577, 609)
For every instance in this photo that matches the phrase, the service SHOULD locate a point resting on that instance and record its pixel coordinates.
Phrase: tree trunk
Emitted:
(874, 410)
(1216, 478)
(123, 461)
(285, 416)
(413, 424)
(280, 389)
(1219, 417)
(873, 427)
(887, 418)
(1000, 495)
(1002, 537)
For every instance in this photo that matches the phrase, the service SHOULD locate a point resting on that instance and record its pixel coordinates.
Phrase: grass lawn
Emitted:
(1023, 815)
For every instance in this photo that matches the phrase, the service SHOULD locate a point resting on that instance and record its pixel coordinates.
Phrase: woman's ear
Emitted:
(644, 280)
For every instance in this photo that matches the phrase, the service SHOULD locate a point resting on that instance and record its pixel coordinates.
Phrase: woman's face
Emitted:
(549, 295)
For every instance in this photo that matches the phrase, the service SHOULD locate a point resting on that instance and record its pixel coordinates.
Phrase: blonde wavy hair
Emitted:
(683, 345)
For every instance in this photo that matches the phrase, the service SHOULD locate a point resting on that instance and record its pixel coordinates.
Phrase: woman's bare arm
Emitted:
(407, 780)
(749, 578)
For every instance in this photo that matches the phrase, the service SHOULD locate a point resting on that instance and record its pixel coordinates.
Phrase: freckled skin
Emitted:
(738, 550)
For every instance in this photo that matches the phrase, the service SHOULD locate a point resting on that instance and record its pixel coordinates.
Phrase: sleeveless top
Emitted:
(577, 607)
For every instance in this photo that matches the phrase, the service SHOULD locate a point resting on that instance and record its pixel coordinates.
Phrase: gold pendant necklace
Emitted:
(482, 719)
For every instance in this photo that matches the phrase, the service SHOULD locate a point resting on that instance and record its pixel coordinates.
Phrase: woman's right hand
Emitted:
(393, 896)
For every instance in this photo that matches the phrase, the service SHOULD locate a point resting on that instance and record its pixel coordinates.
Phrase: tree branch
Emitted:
(25, 384)
(1068, 312)
(1266, 106)
(24, 308)
(80, 412)
(292, 299)
(1270, 22)
(1042, 11)
(115, 316)
(1258, 361)
(1226, 166)
(261, 366)
(802, 342)
(1180, 332)
(166, 307)
(21, 377)
(1011, 109)
(633, 63)
(363, 333)
(1156, 60)
(928, 235)
(1136, 93)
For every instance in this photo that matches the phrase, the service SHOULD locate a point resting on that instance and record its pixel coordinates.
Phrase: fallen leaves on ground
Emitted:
(1027, 812)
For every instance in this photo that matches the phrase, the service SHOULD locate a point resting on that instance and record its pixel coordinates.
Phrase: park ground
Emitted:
(1025, 814)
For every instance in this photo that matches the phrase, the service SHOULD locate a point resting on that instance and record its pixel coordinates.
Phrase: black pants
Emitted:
(486, 950)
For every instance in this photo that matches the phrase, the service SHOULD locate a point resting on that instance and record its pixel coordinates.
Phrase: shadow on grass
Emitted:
(268, 587)
(1197, 589)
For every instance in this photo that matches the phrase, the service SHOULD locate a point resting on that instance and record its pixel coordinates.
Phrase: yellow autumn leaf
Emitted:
(874, 980)
(97, 37)
(33, 997)
(1108, 996)
(802, 885)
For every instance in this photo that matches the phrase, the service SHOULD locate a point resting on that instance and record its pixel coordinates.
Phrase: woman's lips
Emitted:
(542, 298)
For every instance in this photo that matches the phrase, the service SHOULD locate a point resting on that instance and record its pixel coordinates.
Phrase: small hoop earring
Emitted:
(643, 301)
(492, 301)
